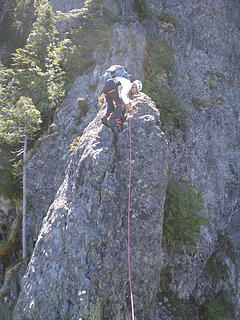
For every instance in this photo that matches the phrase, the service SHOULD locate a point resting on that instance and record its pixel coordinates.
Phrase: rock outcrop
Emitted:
(206, 76)
(78, 269)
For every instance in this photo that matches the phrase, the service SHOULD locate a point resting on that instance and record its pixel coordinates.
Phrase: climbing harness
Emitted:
(129, 217)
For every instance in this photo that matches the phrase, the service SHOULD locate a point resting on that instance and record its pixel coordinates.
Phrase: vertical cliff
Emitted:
(206, 75)
(77, 205)
(81, 251)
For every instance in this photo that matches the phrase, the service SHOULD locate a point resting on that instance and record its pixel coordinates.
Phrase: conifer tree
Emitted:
(18, 123)
(37, 71)
(31, 88)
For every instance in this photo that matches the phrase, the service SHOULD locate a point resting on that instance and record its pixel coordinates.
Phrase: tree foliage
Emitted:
(37, 71)
(17, 124)
(219, 307)
(33, 85)
(142, 8)
(182, 221)
(10, 187)
(158, 67)
(19, 121)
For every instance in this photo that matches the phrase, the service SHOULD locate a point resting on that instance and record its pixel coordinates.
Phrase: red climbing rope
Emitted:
(129, 217)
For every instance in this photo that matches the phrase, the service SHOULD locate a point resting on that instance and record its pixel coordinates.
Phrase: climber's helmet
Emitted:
(137, 84)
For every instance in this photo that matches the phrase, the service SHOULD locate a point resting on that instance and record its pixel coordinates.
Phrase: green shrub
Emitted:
(85, 43)
(142, 9)
(181, 219)
(93, 36)
(218, 307)
(214, 311)
(160, 58)
(170, 106)
(158, 65)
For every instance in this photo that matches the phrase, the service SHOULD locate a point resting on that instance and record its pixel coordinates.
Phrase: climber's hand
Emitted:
(101, 99)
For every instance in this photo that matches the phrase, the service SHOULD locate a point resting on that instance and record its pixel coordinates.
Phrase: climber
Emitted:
(117, 91)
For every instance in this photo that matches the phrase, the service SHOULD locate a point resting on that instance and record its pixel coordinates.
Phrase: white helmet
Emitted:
(138, 84)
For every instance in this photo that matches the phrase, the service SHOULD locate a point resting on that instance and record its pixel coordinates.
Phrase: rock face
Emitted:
(55, 149)
(10, 289)
(205, 75)
(79, 266)
(71, 121)
(66, 6)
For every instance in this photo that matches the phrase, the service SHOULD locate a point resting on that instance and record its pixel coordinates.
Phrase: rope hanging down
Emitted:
(129, 217)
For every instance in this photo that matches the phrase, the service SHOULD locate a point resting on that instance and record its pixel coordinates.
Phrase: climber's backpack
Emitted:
(115, 71)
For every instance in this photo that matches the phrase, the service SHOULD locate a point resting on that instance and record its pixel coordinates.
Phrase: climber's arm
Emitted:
(124, 90)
